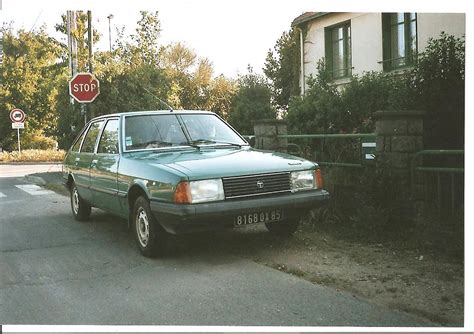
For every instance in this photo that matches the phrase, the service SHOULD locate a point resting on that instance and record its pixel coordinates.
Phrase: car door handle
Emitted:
(94, 162)
(77, 159)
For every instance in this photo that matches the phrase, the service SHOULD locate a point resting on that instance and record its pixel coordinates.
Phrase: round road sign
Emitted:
(84, 87)
(17, 116)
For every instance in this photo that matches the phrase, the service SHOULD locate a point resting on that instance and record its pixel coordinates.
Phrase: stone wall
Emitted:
(399, 138)
(266, 132)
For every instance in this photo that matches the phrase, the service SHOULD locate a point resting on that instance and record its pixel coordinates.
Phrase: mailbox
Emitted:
(368, 150)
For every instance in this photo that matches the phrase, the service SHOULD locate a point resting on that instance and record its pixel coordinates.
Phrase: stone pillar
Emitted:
(266, 132)
(399, 137)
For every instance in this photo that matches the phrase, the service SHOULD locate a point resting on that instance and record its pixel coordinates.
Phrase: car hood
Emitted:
(223, 162)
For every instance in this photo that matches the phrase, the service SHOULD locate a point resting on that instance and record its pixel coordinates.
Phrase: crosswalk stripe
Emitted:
(2, 195)
(33, 189)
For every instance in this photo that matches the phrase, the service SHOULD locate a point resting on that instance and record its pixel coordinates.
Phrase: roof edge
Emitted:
(308, 16)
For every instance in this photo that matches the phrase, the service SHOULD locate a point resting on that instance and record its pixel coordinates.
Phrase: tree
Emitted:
(282, 67)
(221, 94)
(143, 46)
(251, 102)
(29, 76)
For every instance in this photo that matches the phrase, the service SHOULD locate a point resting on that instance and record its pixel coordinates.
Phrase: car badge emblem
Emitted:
(260, 184)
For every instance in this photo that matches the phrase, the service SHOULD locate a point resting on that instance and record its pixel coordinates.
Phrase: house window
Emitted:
(399, 40)
(338, 50)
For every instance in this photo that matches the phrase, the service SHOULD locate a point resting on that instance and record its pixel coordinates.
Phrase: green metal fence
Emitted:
(350, 150)
(335, 150)
(442, 184)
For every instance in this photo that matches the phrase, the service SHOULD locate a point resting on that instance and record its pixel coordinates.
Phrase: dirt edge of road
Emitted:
(419, 282)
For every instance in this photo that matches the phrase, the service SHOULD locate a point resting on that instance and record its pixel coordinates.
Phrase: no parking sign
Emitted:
(17, 117)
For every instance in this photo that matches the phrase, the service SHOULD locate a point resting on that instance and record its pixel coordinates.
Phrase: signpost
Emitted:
(84, 88)
(17, 117)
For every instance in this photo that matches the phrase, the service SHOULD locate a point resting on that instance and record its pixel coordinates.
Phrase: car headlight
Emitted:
(303, 180)
(199, 191)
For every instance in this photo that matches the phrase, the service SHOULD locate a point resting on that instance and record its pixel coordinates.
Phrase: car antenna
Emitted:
(156, 97)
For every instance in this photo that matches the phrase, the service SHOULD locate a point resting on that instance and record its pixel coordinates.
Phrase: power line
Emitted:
(37, 18)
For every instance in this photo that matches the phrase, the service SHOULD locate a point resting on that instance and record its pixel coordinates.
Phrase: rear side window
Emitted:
(91, 137)
(77, 144)
(109, 140)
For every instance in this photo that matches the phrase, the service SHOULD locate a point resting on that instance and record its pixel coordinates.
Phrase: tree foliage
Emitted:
(252, 102)
(29, 77)
(282, 68)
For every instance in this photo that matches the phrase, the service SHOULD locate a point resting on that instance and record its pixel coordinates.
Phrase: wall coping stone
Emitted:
(398, 113)
(269, 122)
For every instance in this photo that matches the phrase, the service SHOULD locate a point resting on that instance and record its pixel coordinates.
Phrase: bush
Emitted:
(33, 156)
(439, 89)
(327, 108)
(37, 141)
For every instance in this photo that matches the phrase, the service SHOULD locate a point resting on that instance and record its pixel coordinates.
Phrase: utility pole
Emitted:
(90, 37)
(110, 32)
(74, 43)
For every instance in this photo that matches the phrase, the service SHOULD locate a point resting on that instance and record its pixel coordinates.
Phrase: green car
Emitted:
(173, 172)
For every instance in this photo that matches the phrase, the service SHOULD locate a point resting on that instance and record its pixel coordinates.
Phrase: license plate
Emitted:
(258, 217)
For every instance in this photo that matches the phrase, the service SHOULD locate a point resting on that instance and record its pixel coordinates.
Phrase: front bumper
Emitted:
(189, 218)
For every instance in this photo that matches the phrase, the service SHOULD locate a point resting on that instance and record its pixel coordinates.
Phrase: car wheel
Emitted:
(284, 228)
(81, 210)
(151, 238)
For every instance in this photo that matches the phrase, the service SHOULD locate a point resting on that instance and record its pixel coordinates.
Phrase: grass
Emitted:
(33, 156)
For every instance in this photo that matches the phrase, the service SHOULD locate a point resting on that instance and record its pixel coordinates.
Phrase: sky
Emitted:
(232, 34)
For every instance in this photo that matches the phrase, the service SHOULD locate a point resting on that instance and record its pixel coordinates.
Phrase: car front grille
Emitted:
(255, 185)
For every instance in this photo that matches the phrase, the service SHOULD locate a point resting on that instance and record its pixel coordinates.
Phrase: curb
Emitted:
(36, 180)
(31, 163)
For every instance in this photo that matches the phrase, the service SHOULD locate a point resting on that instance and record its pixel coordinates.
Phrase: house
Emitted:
(353, 43)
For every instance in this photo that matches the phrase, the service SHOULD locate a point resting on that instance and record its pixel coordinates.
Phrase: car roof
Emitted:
(153, 112)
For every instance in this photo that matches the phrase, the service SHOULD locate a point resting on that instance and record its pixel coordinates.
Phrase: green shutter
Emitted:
(328, 50)
(386, 41)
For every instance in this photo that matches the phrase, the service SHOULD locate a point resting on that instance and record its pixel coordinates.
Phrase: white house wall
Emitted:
(430, 25)
(366, 37)
(366, 40)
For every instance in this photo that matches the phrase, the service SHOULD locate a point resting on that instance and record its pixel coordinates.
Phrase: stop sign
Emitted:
(84, 87)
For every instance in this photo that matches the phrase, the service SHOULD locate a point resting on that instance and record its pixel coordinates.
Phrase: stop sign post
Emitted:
(84, 87)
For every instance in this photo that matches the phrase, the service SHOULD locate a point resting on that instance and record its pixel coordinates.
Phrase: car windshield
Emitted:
(157, 131)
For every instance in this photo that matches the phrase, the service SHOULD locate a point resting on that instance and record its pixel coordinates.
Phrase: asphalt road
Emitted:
(54, 270)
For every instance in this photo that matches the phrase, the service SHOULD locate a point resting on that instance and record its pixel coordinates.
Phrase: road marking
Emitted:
(33, 189)
(2, 195)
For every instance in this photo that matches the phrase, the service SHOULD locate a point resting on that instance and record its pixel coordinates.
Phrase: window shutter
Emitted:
(328, 51)
(386, 41)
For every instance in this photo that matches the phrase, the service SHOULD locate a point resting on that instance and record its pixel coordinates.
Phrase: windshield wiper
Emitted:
(195, 143)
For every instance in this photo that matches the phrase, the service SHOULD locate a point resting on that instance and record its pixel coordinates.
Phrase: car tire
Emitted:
(151, 238)
(284, 228)
(81, 210)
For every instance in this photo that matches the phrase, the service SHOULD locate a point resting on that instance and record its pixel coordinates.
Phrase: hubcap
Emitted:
(142, 226)
(75, 201)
